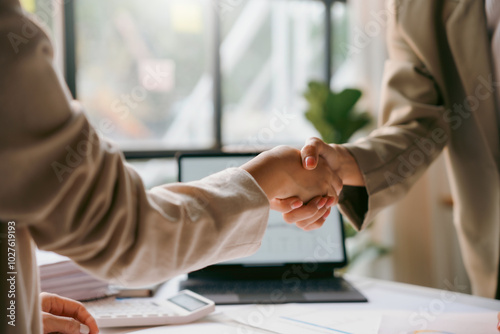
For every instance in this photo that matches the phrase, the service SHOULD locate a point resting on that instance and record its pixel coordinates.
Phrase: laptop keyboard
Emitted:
(267, 286)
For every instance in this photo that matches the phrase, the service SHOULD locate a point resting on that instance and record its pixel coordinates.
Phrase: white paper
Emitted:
(207, 328)
(294, 319)
(443, 323)
(217, 323)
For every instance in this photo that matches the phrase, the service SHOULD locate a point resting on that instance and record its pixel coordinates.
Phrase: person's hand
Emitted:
(66, 316)
(290, 204)
(307, 217)
(340, 161)
(280, 174)
(498, 325)
(338, 158)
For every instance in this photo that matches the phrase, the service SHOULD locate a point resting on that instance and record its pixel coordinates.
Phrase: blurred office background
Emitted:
(161, 76)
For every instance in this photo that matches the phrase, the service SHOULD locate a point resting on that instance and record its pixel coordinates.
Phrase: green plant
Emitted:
(333, 114)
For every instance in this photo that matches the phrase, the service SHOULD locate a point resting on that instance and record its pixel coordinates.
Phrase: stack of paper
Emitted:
(61, 276)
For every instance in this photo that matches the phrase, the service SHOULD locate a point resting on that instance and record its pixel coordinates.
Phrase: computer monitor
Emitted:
(284, 244)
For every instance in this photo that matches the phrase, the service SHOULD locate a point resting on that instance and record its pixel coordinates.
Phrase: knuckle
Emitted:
(308, 150)
(72, 326)
(310, 210)
(302, 224)
(312, 144)
(318, 224)
(315, 141)
(288, 218)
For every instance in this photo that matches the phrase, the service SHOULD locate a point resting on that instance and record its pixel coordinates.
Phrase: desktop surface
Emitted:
(386, 299)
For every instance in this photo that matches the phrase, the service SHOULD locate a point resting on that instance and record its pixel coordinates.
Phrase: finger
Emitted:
(332, 201)
(306, 211)
(65, 307)
(317, 219)
(286, 205)
(65, 325)
(498, 325)
(310, 152)
(318, 223)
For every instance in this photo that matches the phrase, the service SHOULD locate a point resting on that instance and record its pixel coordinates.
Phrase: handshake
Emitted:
(304, 185)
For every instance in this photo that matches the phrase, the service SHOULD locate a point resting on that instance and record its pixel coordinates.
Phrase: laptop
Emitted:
(291, 265)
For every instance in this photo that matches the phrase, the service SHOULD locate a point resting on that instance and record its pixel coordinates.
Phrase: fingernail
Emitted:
(297, 204)
(310, 162)
(322, 203)
(84, 329)
(330, 202)
(326, 214)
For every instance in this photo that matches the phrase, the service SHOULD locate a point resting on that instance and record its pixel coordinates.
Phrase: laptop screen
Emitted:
(282, 243)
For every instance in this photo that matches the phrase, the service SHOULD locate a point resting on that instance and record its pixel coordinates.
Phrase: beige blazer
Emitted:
(438, 94)
(70, 192)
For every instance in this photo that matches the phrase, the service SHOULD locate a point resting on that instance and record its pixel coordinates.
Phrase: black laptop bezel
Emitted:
(253, 272)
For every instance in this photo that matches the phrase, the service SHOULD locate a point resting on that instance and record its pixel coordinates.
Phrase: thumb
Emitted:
(310, 153)
(64, 325)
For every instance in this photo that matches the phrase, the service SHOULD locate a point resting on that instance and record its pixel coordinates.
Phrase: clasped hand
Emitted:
(304, 195)
(305, 184)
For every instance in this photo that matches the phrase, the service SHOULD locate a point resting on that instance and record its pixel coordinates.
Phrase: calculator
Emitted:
(184, 307)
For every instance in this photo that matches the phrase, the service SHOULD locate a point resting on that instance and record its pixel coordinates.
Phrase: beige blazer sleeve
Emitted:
(413, 130)
(78, 198)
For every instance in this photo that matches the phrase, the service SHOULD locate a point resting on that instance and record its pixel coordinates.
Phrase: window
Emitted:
(269, 51)
(49, 14)
(163, 76)
(144, 71)
(170, 75)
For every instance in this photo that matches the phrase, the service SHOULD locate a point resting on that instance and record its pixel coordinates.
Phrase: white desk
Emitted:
(383, 296)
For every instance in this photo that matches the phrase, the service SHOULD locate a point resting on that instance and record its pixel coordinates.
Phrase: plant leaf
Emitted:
(339, 105)
(357, 122)
(325, 130)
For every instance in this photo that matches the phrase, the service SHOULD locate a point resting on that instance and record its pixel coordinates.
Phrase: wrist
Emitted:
(348, 168)
(261, 169)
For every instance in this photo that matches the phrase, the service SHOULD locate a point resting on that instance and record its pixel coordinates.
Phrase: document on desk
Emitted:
(205, 328)
(441, 323)
(297, 319)
(217, 323)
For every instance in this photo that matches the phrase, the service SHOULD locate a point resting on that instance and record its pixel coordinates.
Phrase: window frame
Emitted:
(70, 73)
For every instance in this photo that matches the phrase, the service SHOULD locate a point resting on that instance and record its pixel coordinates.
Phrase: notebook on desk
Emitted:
(290, 266)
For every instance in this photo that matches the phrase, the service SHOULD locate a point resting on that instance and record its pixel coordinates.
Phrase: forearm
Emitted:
(106, 221)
